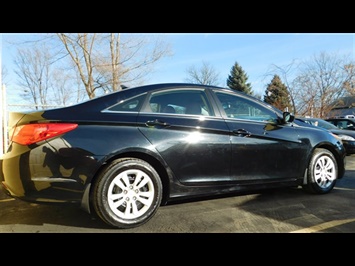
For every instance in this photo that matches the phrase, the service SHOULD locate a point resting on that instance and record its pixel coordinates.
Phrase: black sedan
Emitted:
(346, 136)
(347, 123)
(122, 155)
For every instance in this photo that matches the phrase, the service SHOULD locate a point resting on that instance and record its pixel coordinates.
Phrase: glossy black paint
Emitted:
(194, 155)
(347, 136)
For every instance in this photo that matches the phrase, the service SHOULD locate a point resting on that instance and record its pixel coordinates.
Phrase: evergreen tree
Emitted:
(237, 80)
(277, 95)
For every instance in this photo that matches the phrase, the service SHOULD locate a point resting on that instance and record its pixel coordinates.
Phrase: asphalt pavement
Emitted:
(287, 210)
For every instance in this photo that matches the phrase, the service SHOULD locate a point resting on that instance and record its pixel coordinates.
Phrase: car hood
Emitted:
(343, 132)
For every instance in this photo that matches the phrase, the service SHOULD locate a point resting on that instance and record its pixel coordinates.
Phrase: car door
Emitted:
(262, 149)
(182, 126)
(346, 124)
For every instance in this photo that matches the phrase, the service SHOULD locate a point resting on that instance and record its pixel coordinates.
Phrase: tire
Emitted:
(322, 172)
(127, 193)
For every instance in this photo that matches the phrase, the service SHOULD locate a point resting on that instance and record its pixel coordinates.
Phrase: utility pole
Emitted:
(3, 123)
(2, 141)
(3, 110)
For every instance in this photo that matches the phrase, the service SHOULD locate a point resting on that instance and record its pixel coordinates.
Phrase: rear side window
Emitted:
(189, 102)
(131, 105)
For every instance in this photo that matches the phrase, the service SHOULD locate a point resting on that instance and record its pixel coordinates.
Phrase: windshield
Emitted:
(321, 123)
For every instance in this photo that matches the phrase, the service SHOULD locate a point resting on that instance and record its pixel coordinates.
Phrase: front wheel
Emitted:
(322, 172)
(127, 193)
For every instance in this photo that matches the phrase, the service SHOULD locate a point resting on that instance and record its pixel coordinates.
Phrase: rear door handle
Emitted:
(157, 122)
(242, 133)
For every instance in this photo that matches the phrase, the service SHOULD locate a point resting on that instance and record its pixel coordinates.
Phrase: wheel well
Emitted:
(155, 163)
(336, 155)
(338, 158)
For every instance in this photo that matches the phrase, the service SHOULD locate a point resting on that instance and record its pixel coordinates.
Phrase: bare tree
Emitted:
(316, 83)
(205, 75)
(320, 82)
(33, 70)
(62, 86)
(101, 62)
(106, 61)
(79, 48)
(286, 74)
(4, 75)
(349, 84)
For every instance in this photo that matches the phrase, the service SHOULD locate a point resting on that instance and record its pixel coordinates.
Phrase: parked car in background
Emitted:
(347, 136)
(122, 155)
(343, 123)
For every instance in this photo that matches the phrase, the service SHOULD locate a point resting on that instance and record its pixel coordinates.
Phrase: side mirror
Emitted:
(288, 117)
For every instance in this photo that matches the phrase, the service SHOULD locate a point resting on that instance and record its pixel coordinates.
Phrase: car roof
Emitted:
(102, 102)
(105, 101)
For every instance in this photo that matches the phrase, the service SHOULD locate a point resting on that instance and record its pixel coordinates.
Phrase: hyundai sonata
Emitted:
(123, 155)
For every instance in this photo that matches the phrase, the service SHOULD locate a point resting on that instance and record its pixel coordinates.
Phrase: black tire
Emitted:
(127, 193)
(322, 172)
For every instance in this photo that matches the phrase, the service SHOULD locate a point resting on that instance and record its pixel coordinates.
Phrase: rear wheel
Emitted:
(127, 193)
(322, 172)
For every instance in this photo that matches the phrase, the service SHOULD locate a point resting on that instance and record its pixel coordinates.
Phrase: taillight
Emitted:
(32, 133)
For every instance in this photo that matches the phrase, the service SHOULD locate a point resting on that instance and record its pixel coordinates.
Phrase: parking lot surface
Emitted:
(272, 211)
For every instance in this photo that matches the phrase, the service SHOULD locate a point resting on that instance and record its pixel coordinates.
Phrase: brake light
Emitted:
(32, 133)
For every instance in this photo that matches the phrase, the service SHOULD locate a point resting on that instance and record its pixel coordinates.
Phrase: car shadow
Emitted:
(294, 210)
(23, 215)
(272, 210)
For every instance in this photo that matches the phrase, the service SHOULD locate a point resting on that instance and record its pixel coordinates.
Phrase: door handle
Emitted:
(242, 133)
(156, 122)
